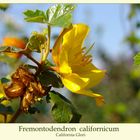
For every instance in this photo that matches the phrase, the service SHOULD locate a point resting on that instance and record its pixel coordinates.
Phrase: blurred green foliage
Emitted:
(121, 87)
(137, 59)
(4, 6)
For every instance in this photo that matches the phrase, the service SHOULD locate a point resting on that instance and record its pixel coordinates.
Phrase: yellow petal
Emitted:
(89, 71)
(74, 82)
(84, 70)
(73, 40)
(64, 67)
(75, 36)
(95, 77)
(99, 98)
(57, 47)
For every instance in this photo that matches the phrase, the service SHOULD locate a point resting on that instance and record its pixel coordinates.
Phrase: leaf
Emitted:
(33, 110)
(60, 15)
(132, 38)
(2, 49)
(48, 99)
(4, 80)
(9, 110)
(121, 108)
(37, 42)
(137, 59)
(35, 16)
(62, 109)
(48, 64)
(8, 60)
(4, 6)
(2, 109)
(57, 15)
(6, 109)
(132, 13)
(50, 78)
(10, 49)
(138, 24)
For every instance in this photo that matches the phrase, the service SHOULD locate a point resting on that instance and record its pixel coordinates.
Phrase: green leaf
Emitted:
(48, 64)
(62, 109)
(9, 110)
(4, 6)
(60, 15)
(37, 42)
(50, 78)
(33, 110)
(35, 16)
(8, 60)
(121, 108)
(137, 59)
(5, 58)
(57, 15)
(4, 80)
(132, 38)
(138, 24)
(10, 49)
(2, 109)
(2, 49)
(6, 109)
(132, 13)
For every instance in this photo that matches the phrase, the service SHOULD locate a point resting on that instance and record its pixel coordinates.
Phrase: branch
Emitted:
(31, 58)
(18, 112)
(26, 54)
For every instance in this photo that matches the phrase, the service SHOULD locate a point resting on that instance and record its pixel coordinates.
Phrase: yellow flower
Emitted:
(74, 65)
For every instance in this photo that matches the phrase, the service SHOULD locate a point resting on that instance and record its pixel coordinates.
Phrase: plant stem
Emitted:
(28, 56)
(42, 54)
(47, 48)
(31, 58)
(15, 116)
(49, 36)
(5, 118)
(18, 112)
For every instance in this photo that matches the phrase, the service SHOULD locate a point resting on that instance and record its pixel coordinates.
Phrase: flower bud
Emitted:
(14, 90)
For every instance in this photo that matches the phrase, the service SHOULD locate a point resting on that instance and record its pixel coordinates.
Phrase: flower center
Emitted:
(81, 58)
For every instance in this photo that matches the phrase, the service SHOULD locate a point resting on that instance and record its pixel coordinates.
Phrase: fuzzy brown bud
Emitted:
(24, 84)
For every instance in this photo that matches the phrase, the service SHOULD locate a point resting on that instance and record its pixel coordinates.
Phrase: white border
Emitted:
(69, 1)
(126, 131)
